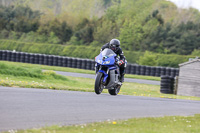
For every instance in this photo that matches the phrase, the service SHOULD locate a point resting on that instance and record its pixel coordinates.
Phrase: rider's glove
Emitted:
(120, 62)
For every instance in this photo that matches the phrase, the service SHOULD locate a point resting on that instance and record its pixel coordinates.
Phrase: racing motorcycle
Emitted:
(107, 72)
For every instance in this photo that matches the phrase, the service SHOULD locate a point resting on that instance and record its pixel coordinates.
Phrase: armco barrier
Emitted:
(88, 64)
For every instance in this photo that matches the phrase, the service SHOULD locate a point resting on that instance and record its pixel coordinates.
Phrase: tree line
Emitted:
(137, 31)
(22, 23)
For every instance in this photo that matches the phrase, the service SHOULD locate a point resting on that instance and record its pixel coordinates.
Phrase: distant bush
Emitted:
(166, 60)
(148, 59)
(196, 53)
(171, 60)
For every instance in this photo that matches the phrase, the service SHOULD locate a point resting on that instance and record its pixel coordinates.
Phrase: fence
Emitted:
(88, 64)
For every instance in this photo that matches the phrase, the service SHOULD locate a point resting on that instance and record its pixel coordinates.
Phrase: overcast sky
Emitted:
(187, 3)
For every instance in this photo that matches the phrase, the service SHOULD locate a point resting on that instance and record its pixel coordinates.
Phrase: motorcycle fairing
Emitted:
(105, 75)
(107, 58)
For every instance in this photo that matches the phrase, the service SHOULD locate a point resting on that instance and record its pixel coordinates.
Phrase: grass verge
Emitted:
(31, 76)
(168, 124)
(67, 69)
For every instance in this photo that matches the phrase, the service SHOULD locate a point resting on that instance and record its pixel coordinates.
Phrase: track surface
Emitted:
(92, 76)
(23, 108)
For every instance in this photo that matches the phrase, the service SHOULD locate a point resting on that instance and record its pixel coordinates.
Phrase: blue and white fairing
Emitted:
(106, 58)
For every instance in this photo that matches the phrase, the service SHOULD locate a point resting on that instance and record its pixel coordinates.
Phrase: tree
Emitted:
(148, 59)
(105, 31)
(84, 31)
(53, 38)
(19, 19)
(61, 30)
(131, 35)
(65, 32)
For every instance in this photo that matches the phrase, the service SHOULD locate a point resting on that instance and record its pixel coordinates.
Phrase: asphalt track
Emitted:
(92, 76)
(24, 108)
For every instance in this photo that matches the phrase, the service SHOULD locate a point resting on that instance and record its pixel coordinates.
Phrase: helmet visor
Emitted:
(113, 47)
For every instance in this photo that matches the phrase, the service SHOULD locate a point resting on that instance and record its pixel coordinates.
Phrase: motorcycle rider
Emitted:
(114, 45)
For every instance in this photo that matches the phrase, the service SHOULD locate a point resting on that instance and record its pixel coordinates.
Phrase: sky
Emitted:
(187, 3)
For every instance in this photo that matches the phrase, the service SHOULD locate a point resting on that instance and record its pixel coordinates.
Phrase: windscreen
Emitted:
(107, 52)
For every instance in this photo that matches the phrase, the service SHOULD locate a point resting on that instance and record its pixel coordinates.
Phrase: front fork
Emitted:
(105, 75)
(98, 68)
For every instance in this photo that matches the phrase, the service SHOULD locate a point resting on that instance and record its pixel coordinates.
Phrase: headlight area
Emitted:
(106, 62)
(99, 61)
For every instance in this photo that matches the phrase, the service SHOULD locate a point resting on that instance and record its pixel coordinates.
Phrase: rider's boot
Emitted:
(122, 78)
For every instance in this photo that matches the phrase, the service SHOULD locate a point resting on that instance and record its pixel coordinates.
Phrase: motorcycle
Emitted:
(107, 72)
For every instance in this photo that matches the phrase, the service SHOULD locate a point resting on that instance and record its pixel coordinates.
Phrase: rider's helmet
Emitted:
(114, 44)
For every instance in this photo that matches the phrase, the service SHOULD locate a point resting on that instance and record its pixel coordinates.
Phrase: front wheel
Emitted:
(98, 87)
(115, 91)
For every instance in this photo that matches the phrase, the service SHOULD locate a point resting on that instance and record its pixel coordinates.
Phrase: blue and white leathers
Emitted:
(106, 64)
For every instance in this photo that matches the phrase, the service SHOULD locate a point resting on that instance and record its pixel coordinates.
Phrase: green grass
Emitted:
(168, 124)
(14, 70)
(67, 69)
(142, 77)
(42, 67)
(31, 76)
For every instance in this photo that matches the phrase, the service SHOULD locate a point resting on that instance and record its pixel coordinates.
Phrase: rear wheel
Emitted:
(98, 87)
(115, 91)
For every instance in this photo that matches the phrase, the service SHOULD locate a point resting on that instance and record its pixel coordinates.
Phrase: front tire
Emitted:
(98, 87)
(115, 91)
